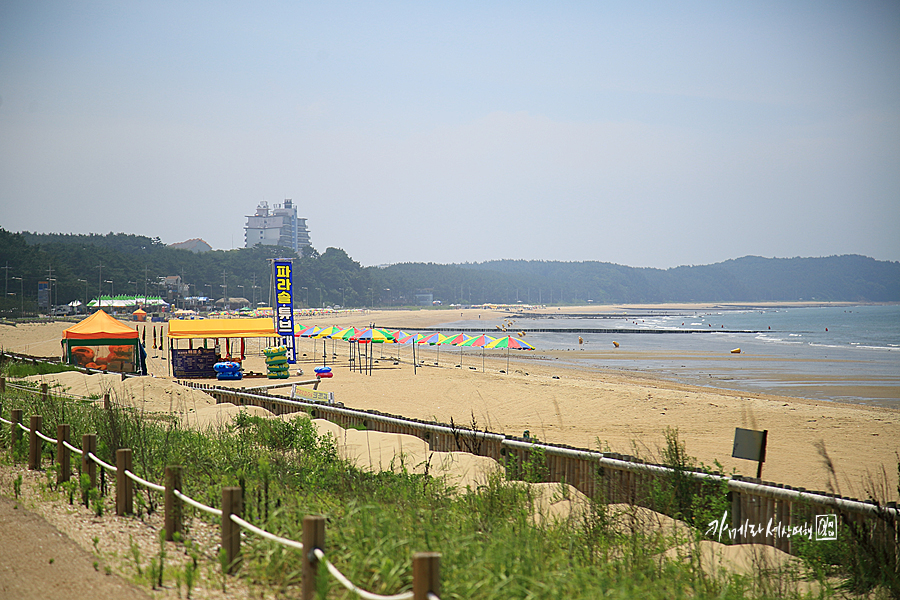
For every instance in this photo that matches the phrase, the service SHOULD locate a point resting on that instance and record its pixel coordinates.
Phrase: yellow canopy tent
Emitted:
(221, 328)
(101, 342)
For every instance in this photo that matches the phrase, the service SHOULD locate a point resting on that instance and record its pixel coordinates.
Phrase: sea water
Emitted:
(838, 353)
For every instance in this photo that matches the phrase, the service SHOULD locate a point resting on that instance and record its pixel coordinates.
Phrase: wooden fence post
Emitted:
(173, 504)
(426, 575)
(88, 467)
(15, 415)
(45, 392)
(124, 485)
(106, 404)
(313, 537)
(63, 456)
(34, 443)
(231, 532)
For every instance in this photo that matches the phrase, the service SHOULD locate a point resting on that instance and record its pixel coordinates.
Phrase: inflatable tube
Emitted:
(275, 351)
(321, 370)
(280, 375)
(226, 367)
(325, 375)
(234, 376)
(278, 360)
(279, 368)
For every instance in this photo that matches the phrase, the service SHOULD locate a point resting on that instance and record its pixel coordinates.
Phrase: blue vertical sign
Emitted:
(283, 278)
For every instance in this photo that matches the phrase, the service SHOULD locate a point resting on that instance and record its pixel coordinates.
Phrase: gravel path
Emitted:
(37, 562)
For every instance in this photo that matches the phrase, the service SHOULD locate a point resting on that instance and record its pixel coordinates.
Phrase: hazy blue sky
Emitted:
(641, 133)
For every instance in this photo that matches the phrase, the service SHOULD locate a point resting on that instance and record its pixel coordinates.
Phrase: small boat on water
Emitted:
(736, 351)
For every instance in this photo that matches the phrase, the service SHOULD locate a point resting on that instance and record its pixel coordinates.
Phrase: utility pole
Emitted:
(100, 286)
(225, 287)
(6, 279)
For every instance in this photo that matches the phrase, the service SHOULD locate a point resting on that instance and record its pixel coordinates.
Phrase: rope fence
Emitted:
(426, 565)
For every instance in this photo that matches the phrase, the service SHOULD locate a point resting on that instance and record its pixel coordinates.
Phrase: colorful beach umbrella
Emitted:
(479, 342)
(508, 342)
(458, 340)
(434, 339)
(346, 334)
(374, 336)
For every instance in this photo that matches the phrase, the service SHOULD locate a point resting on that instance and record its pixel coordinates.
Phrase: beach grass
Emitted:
(491, 542)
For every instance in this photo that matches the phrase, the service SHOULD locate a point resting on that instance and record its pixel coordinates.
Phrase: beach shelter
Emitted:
(508, 342)
(102, 342)
(479, 342)
(139, 315)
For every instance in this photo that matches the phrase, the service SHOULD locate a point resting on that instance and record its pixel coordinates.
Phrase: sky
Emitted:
(649, 134)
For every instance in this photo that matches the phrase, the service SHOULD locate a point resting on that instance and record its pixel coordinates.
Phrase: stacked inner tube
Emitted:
(276, 362)
(323, 372)
(228, 371)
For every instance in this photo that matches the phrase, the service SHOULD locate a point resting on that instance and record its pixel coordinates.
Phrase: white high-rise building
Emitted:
(276, 226)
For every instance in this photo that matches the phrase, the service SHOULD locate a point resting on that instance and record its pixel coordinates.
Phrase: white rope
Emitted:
(106, 466)
(195, 504)
(23, 428)
(5, 421)
(72, 448)
(342, 579)
(38, 433)
(144, 482)
(432, 596)
(266, 534)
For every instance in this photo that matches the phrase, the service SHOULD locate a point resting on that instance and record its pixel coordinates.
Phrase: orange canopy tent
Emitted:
(82, 343)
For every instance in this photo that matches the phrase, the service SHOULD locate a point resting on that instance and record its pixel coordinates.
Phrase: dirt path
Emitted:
(40, 563)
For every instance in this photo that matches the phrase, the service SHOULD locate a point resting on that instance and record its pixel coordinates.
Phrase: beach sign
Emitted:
(283, 280)
(750, 445)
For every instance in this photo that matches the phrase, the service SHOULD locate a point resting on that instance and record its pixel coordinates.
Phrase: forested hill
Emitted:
(127, 264)
(751, 278)
(849, 278)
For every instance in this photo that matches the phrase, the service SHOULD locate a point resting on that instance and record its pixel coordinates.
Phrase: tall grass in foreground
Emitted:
(493, 546)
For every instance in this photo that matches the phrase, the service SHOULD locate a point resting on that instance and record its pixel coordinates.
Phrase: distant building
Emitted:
(195, 245)
(276, 226)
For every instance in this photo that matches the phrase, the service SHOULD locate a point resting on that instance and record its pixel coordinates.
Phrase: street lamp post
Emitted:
(21, 294)
(342, 297)
(111, 289)
(242, 291)
(84, 281)
(390, 297)
(320, 297)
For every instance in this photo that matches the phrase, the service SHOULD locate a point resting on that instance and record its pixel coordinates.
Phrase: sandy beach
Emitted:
(597, 409)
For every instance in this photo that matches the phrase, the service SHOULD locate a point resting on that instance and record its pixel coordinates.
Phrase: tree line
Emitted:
(81, 266)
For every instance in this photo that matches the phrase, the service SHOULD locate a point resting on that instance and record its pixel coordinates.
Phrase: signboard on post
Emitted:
(751, 445)
(283, 280)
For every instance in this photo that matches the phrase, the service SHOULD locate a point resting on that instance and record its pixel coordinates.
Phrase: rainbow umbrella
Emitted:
(434, 339)
(508, 342)
(479, 342)
(374, 336)
(411, 339)
(308, 331)
(346, 334)
(323, 335)
(458, 340)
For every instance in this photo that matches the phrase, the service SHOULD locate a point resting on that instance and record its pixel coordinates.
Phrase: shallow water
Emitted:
(787, 350)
